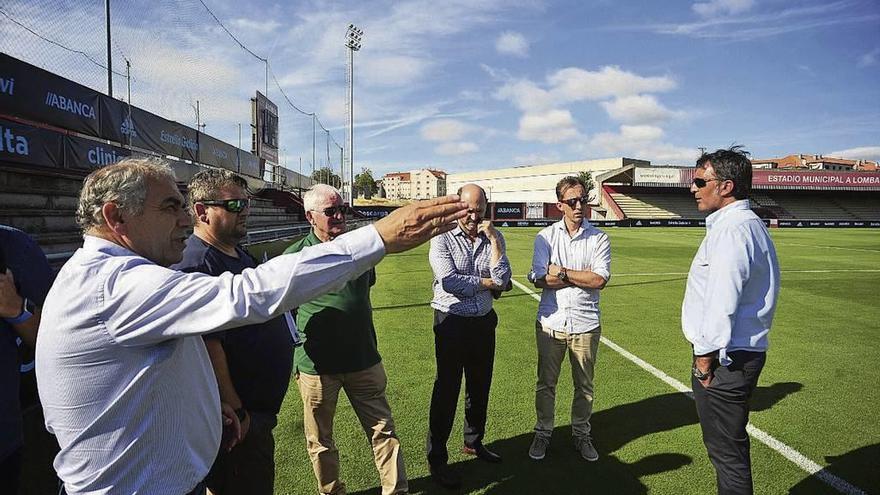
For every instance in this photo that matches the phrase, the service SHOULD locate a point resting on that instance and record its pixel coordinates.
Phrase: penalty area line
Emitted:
(786, 451)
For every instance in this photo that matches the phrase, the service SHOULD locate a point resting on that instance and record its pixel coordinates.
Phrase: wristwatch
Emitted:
(27, 310)
(699, 375)
(563, 274)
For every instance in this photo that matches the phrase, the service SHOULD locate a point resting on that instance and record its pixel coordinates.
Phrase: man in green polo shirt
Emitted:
(339, 352)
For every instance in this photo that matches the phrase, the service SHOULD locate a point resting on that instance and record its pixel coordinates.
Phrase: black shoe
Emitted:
(482, 452)
(443, 476)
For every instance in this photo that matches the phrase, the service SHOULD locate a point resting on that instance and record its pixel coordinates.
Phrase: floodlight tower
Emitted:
(353, 42)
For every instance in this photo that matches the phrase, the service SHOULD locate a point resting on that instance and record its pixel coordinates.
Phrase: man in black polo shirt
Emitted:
(25, 278)
(252, 367)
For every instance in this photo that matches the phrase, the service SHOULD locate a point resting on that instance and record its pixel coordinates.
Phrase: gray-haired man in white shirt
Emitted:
(572, 263)
(727, 311)
(124, 377)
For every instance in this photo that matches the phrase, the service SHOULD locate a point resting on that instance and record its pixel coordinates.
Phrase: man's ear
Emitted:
(726, 188)
(114, 218)
(200, 212)
(559, 207)
(310, 218)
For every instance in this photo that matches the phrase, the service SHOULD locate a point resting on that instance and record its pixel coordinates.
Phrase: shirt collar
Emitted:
(460, 232)
(717, 216)
(582, 229)
(101, 245)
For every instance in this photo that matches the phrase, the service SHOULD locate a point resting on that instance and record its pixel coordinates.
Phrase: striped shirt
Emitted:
(459, 264)
(124, 378)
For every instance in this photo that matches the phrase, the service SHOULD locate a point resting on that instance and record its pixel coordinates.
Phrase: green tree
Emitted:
(587, 178)
(365, 184)
(325, 175)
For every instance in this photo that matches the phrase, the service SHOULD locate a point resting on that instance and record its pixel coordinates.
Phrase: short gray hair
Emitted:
(316, 193)
(205, 184)
(123, 183)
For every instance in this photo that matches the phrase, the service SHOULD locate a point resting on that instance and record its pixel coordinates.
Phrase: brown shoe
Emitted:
(481, 452)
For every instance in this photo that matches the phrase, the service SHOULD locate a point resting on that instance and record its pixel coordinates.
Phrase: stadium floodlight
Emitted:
(353, 42)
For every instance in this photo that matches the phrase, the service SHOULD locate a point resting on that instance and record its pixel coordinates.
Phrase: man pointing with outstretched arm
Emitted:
(124, 377)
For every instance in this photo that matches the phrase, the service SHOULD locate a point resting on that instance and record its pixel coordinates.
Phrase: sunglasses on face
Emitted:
(333, 210)
(230, 205)
(574, 201)
(701, 183)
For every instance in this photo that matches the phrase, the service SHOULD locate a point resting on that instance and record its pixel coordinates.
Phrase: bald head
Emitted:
(475, 198)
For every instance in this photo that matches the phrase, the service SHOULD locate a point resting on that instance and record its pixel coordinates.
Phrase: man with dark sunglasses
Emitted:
(572, 264)
(340, 353)
(728, 308)
(253, 362)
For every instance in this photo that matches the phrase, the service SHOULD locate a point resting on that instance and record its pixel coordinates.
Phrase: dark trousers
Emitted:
(461, 344)
(723, 409)
(10, 471)
(249, 468)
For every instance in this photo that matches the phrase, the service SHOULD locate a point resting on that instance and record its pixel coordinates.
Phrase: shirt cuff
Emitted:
(365, 245)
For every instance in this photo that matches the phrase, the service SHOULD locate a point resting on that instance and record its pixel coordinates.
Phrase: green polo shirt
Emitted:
(337, 328)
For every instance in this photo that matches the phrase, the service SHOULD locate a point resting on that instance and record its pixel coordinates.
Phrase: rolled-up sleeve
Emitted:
(445, 272)
(540, 258)
(501, 272)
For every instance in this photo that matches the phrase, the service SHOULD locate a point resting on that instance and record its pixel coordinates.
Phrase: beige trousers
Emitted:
(366, 392)
(552, 347)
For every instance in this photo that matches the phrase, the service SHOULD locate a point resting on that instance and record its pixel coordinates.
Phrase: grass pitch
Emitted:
(818, 393)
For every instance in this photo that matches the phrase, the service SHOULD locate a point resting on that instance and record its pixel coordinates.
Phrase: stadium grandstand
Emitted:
(54, 131)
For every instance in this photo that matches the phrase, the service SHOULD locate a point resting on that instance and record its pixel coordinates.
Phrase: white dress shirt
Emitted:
(571, 309)
(732, 285)
(124, 378)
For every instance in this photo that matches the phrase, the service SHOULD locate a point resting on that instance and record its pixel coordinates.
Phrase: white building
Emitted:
(533, 183)
(415, 184)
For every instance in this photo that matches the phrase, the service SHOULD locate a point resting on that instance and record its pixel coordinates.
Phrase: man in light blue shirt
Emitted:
(124, 377)
(727, 312)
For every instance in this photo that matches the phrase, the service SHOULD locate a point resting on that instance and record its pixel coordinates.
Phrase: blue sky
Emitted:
(467, 85)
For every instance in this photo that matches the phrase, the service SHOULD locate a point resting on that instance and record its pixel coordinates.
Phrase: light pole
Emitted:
(353, 42)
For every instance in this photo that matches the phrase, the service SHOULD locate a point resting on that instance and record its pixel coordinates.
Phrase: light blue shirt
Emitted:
(732, 285)
(124, 378)
(459, 264)
(571, 309)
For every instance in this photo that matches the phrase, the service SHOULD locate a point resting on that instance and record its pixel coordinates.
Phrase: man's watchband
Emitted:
(27, 311)
(563, 274)
(699, 375)
(242, 413)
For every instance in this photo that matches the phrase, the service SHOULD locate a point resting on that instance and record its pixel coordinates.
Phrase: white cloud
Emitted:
(526, 95)
(457, 148)
(512, 43)
(393, 70)
(444, 130)
(860, 153)
(575, 84)
(869, 59)
(629, 138)
(714, 8)
(262, 26)
(640, 109)
(537, 158)
(642, 141)
(552, 126)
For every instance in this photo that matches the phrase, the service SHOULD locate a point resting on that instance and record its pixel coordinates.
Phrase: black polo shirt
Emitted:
(260, 357)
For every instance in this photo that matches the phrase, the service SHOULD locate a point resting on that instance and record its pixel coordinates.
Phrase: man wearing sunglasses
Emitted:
(728, 307)
(339, 352)
(125, 380)
(253, 362)
(572, 264)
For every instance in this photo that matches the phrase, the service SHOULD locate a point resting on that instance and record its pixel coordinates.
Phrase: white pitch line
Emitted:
(788, 452)
(841, 270)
